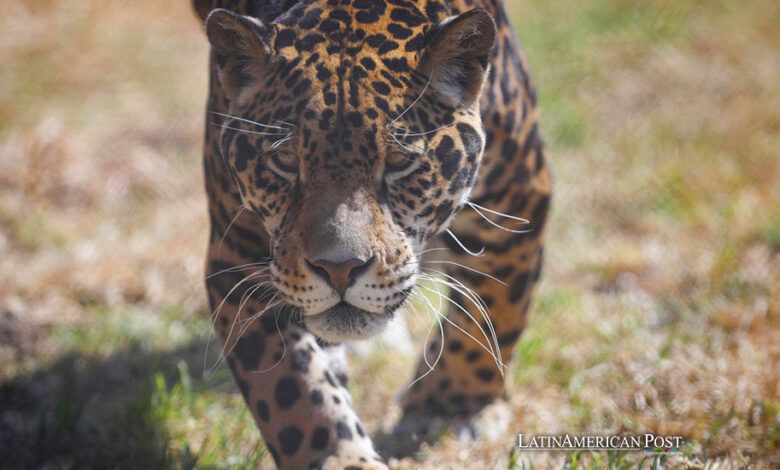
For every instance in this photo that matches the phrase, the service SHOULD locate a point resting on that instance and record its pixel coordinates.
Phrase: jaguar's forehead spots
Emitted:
(357, 58)
(345, 70)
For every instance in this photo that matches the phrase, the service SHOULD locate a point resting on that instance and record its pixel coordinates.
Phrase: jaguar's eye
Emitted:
(286, 162)
(398, 161)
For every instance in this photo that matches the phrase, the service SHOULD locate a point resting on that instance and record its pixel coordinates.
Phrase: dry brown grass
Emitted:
(100, 177)
(660, 307)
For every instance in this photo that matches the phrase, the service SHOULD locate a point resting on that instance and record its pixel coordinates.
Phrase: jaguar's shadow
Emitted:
(98, 412)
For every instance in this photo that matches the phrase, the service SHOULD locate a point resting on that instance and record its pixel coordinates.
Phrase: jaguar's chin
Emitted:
(345, 322)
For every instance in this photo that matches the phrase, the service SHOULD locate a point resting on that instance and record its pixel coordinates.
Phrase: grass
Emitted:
(659, 309)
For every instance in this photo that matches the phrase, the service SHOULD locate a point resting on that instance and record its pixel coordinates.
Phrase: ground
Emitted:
(659, 309)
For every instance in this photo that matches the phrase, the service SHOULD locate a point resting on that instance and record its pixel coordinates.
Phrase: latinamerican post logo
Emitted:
(644, 442)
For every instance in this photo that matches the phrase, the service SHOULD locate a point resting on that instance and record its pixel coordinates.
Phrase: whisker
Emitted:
(409, 305)
(417, 295)
(287, 124)
(216, 311)
(478, 302)
(475, 299)
(404, 146)
(219, 307)
(225, 353)
(477, 210)
(236, 268)
(246, 297)
(279, 142)
(519, 219)
(479, 253)
(465, 267)
(425, 350)
(237, 319)
(432, 249)
(461, 308)
(213, 316)
(250, 122)
(416, 134)
(488, 350)
(471, 295)
(238, 214)
(246, 131)
(413, 103)
(284, 344)
(257, 315)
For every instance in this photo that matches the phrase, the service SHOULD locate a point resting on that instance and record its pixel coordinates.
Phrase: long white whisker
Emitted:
(219, 307)
(477, 301)
(416, 294)
(226, 353)
(279, 142)
(222, 355)
(408, 304)
(468, 314)
(465, 267)
(519, 219)
(416, 134)
(238, 214)
(432, 249)
(236, 268)
(479, 253)
(456, 326)
(216, 311)
(284, 344)
(248, 121)
(245, 324)
(409, 149)
(425, 350)
(264, 299)
(413, 103)
(469, 294)
(246, 131)
(213, 316)
(237, 319)
(247, 296)
(497, 225)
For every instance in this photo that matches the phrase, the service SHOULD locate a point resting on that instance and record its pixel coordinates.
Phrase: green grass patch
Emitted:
(115, 329)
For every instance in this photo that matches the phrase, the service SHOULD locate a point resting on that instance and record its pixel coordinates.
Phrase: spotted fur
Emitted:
(343, 138)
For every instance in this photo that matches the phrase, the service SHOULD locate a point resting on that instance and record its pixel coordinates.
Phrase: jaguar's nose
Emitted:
(339, 275)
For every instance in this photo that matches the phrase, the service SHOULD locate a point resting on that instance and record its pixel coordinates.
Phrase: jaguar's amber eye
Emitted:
(286, 161)
(397, 161)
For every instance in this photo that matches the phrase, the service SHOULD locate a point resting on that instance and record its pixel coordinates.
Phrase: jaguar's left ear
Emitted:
(457, 59)
(243, 47)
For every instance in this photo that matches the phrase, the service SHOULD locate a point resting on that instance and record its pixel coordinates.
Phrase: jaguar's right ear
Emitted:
(242, 46)
(458, 58)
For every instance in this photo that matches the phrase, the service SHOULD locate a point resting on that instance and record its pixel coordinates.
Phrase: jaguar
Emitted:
(352, 149)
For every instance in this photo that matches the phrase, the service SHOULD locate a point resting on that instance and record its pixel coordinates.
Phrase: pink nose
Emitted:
(339, 275)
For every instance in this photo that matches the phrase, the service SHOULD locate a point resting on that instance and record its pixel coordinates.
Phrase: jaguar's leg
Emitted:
(468, 380)
(294, 385)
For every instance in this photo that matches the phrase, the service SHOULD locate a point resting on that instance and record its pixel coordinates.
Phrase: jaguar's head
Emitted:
(354, 134)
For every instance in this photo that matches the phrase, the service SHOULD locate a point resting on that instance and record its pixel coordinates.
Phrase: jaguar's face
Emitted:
(353, 147)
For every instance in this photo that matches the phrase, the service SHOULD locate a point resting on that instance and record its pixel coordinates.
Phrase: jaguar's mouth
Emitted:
(344, 322)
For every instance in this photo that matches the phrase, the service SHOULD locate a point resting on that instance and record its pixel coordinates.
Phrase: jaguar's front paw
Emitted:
(490, 422)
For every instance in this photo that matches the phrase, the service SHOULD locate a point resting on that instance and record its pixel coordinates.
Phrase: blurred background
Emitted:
(659, 309)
